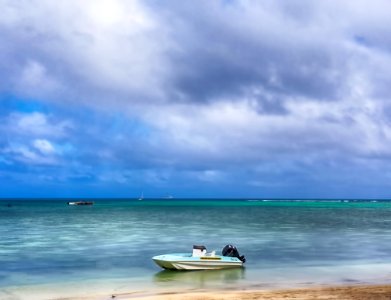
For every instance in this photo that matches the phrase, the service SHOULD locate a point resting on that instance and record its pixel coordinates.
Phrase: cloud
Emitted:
(261, 94)
(29, 156)
(265, 48)
(132, 53)
(35, 81)
(89, 49)
(35, 124)
(25, 138)
(44, 146)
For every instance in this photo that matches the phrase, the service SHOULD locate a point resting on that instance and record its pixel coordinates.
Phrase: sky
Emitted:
(223, 98)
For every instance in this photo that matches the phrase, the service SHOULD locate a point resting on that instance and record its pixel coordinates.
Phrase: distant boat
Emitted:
(141, 197)
(80, 203)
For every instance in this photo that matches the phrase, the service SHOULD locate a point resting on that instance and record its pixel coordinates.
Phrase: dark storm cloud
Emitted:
(224, 52)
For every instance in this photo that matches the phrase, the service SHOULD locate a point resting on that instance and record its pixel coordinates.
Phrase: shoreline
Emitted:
(362, 291)
(366, 281)
(346, 292)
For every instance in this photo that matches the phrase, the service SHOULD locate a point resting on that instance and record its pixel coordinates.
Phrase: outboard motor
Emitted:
(231, 251)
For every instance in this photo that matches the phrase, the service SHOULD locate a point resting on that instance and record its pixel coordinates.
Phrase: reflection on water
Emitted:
(200, 279)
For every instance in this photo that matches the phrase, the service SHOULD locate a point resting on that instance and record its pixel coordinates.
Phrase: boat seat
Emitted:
(199, 251)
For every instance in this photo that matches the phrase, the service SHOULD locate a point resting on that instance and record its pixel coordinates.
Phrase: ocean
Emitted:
(46, 243)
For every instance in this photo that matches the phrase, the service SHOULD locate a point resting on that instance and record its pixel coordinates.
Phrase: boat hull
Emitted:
(181, 261)
(80, 203)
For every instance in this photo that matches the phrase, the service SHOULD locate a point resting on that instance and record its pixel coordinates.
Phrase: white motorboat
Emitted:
(80, 203)
(201, 260)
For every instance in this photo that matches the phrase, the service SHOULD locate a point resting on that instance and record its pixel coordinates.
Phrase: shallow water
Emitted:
(285, 242)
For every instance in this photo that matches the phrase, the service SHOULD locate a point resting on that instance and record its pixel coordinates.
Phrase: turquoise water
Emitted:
(49, 242)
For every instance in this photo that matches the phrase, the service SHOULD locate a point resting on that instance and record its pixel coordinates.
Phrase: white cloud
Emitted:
(33, 74)
(44, 146)
(233, 133)
(36, 124)
(27, 138)
(27, 155)
(30, 122)
(212, 176)
(83, 49)
(35, 81)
